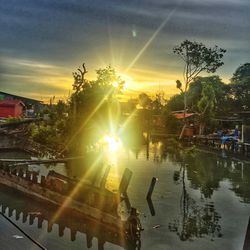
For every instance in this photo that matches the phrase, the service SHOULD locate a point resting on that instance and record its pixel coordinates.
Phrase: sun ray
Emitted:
(133, 113)
(69, 197)
(151, 39)
(87, 120)
(110, 42)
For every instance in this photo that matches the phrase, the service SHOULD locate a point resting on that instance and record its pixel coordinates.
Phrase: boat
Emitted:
(79, 198)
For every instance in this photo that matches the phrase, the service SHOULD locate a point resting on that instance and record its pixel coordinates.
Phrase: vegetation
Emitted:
(13, 119)
(53, 129)
(240, 87)
(211, 97)
(94, 109)
(197, 58)
(71, 126)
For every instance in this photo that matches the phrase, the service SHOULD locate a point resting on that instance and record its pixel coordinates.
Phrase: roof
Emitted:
(20, 97)
(181, 115)
(11, 102)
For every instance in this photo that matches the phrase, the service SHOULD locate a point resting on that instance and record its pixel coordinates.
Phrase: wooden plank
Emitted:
(46, 195)
(39, 161)
(127, 175)
(151, 188)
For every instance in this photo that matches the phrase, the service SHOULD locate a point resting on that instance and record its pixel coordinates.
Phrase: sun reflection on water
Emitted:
(112, 146)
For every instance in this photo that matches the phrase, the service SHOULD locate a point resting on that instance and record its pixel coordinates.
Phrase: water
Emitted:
(200, 202)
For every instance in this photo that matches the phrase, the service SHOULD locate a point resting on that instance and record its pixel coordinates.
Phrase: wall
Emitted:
(7, 111)
(18, 110)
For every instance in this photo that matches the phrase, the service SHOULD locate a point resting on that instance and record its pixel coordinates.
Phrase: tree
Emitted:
(51, 132)
(172, 124)
(175, 103)
(79, 80)
(206, 105)
(158, 102)
(94, 106)
(204, 91)
(241, 73)
(240, 87)
(144, 101)
(221, 91)
(197, 58)
(89, 94)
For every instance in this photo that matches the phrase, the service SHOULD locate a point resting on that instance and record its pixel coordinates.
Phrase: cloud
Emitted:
(33, 78)
(46, 40)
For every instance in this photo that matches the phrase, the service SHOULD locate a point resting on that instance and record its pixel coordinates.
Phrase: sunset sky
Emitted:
(43, 41)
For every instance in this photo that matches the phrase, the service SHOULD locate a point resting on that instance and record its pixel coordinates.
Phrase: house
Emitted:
(32, 106)
(192, 119)
(11, 108)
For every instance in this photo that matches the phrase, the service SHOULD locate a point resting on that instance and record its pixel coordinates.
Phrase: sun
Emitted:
(115, 84)
(128, 80)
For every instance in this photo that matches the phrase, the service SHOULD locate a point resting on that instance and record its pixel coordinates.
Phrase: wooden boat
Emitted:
(79, 198)
(42, 216)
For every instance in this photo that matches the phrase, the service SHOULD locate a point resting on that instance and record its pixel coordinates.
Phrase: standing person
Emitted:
(236, 131)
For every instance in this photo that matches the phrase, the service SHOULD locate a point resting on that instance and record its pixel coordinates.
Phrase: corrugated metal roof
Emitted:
(17, 97)
(181, 115)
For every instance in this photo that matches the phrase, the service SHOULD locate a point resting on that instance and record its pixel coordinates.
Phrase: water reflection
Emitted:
(205, 173)
(42, 216)
(151, 206)
(157, 151)
(195, 220)
(206, 170)
(200, 178)
(240, 178)
(205, 177)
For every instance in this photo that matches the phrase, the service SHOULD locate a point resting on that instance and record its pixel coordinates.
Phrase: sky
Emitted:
(43, 41)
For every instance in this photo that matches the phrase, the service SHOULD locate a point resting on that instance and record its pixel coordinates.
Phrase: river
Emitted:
(199, 202)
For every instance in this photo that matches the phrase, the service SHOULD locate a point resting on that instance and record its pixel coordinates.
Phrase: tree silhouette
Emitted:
(197, 58)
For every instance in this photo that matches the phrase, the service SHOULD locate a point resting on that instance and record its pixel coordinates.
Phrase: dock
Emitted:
(233, 146)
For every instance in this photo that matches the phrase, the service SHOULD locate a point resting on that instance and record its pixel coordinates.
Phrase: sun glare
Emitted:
(112, 142)
(128, 80)
(115, 84)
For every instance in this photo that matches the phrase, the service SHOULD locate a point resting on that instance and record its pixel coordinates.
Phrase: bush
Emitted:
(173, 125)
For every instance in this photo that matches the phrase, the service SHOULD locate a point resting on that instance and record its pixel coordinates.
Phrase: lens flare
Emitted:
(115, 84)
(112, 142)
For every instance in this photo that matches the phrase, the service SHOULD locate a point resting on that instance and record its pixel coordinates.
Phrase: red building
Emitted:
(11, 108)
